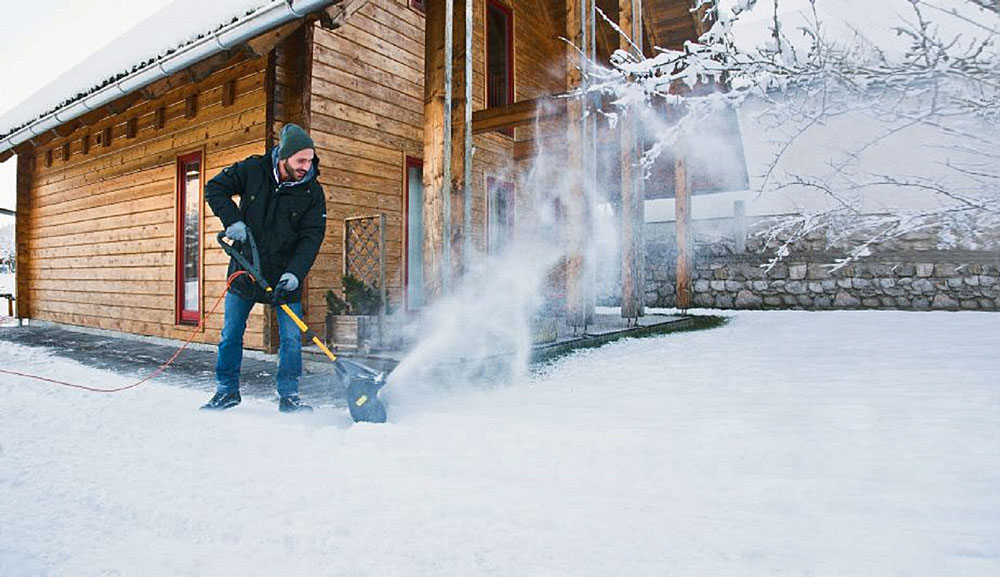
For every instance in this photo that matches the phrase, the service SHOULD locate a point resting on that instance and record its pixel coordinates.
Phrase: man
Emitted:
(282, 204)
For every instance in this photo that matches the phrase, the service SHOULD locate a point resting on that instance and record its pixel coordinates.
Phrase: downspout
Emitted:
(467, 177)
(449, 15)
(226, 38)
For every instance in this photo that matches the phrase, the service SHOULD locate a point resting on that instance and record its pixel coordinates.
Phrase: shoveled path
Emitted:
(194, 368)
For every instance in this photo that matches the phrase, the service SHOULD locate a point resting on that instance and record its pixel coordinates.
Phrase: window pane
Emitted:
(415, 237)
(192, 242)
(497, 57)
(501, 215)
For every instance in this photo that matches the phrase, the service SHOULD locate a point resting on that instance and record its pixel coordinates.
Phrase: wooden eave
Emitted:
(331, 17)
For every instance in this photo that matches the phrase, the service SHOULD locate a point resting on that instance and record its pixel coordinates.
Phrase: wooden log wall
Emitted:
(367, 116)
(97, 226)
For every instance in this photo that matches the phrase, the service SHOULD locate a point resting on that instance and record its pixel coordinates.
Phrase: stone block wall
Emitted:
(912, 275)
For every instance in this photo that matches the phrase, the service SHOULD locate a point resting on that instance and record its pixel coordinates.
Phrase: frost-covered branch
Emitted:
(937, 74)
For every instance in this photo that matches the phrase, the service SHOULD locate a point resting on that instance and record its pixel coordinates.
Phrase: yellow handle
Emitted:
(305, 329)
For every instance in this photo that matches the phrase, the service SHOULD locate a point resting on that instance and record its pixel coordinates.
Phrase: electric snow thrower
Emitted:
(363, 383)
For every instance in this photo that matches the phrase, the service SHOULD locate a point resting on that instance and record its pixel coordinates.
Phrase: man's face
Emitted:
(298, 164)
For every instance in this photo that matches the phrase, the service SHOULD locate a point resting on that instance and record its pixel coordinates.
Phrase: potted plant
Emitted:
(353, 321)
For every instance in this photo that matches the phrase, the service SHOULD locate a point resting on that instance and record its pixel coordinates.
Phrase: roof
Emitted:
(177, 26)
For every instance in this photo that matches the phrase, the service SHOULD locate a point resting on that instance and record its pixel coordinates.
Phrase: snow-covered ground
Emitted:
(785, 443)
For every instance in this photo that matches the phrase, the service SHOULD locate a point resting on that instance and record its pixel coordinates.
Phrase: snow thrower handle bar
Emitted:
(254, 272)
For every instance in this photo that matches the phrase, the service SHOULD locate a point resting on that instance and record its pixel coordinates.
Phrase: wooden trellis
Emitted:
(364, 256)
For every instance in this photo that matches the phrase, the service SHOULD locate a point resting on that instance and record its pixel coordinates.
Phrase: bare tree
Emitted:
(938, 73)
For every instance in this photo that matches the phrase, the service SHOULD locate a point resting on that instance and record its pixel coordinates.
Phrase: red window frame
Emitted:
(509, 63)
(187, 316)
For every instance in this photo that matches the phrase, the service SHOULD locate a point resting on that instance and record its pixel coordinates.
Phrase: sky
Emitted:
(44, 38)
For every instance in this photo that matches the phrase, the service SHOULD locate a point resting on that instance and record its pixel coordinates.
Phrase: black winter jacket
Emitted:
(288, 222)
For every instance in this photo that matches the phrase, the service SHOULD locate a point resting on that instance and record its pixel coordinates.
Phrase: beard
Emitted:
(292, 172)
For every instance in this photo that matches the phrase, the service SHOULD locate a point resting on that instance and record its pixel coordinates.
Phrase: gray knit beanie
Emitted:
(293, 139)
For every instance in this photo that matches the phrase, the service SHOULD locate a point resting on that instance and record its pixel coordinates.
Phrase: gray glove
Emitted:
(286, 284)
(237, 232)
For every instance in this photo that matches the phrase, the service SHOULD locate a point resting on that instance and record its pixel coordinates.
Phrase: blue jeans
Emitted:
(227, 367)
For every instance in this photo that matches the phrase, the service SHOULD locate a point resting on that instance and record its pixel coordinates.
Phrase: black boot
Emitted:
(223, 401)
(292, 404)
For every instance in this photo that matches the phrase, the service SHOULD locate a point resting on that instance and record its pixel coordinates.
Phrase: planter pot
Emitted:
(352, 332)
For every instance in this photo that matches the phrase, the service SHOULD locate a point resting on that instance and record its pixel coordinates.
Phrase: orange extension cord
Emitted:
(163, 367)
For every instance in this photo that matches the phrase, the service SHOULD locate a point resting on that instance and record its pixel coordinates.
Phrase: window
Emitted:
(500, 219)
(189, 238)
(499, 55)
(414, 249)
(419, 6)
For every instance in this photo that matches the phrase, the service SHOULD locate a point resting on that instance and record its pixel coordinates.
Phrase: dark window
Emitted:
(500, 222)
(189, 238)
(499, 55)
(414, 263)
(418, 5)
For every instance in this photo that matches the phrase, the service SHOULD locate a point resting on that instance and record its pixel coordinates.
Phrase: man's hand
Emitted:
(287, 284)
(237, 232)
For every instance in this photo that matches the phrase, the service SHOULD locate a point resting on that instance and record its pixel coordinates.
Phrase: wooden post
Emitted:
(467, 131)
(579, 297)
(437, 142)
(461, 121)
(632, 189)
(21, 227)
(683, 221)
(447, 143)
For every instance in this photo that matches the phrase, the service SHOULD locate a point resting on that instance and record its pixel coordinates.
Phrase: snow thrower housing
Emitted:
(362, 383)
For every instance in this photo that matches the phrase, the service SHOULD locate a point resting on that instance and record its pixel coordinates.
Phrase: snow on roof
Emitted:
(178, 24)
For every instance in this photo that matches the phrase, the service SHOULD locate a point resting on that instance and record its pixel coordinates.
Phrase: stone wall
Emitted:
(909, 274)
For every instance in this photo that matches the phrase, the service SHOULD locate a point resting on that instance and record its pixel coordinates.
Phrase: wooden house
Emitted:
(112, 230)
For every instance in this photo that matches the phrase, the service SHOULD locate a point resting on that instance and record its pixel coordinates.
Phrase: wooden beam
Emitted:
(435, 158)
(228, 93)
(5, 155)
(308, 56)
(191, 106)
(648, 28)
(123, 103)
(579, 310)
(333, 17)
(682, 211)
(632, 193)
(64, 130)
(23, 224)
(523, 113)
(459, 154)
(265, 43)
